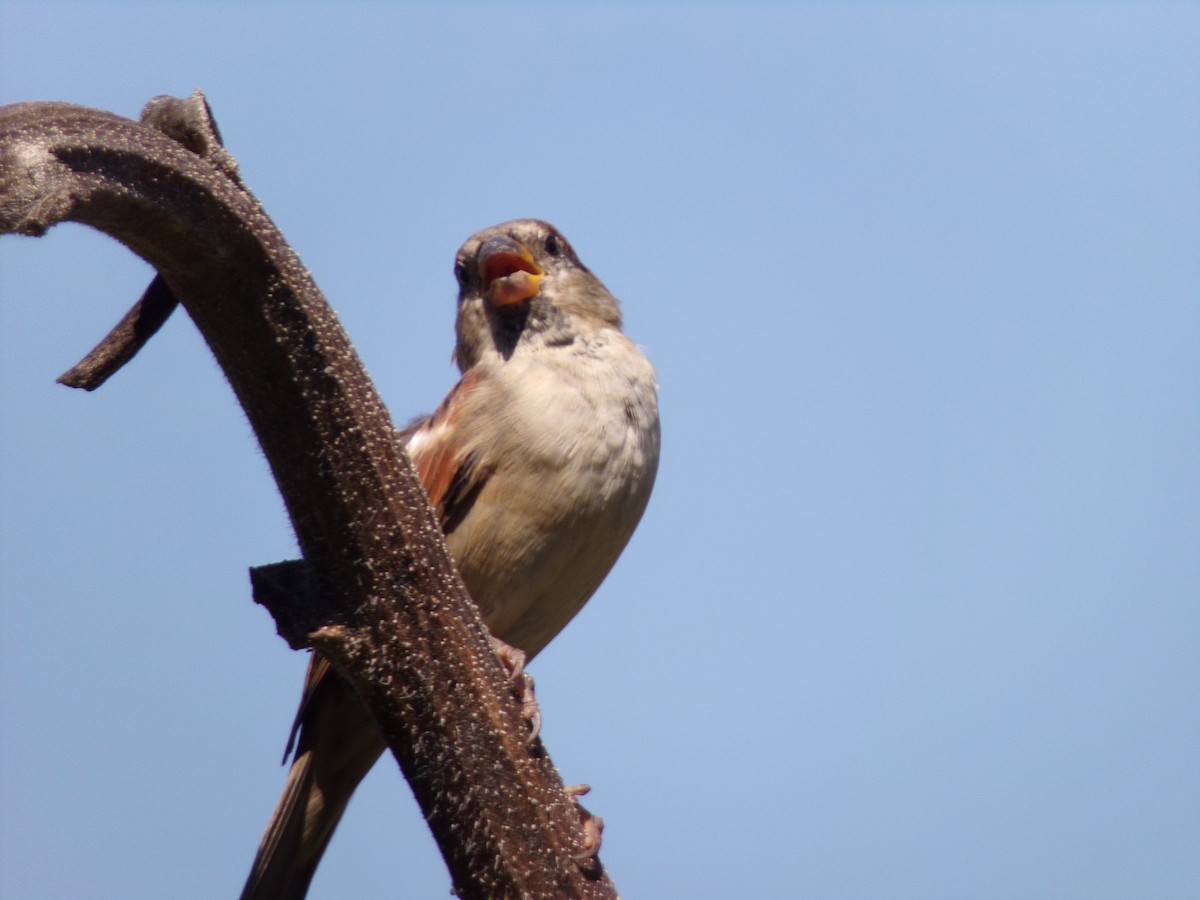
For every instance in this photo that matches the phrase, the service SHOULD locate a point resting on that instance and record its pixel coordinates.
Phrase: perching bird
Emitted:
(539, 462)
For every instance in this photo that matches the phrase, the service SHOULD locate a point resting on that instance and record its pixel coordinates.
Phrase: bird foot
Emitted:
(593, 826)
(513, 660)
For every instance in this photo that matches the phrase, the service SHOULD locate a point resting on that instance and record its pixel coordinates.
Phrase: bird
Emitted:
(539, 464)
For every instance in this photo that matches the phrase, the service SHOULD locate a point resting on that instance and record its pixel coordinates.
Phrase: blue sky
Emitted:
(915, 609)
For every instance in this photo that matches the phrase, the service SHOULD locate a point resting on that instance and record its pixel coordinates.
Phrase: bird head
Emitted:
(520, 284)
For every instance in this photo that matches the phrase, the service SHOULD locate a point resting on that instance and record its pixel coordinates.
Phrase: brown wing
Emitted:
(452, 475)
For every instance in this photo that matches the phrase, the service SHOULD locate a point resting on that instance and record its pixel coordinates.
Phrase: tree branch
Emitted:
(380, 598)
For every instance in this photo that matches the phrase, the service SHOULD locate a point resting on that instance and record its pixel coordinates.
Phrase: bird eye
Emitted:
(553, 245)
(460, 271)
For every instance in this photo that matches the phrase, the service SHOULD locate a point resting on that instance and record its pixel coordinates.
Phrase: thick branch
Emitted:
(386, 605)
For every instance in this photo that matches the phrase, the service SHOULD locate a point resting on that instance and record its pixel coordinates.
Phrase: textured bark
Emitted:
(378, 593)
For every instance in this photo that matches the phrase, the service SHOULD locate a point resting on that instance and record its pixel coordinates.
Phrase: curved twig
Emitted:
(127, 337)
(197, 131)
(387, 607)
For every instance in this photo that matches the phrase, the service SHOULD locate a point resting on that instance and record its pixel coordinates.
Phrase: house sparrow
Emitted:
(539, 463)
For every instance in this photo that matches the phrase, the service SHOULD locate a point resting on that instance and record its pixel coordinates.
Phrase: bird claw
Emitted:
(593, 826)
(593, 829)
(513, 660)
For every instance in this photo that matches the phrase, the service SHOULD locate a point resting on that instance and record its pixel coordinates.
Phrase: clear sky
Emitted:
(915, 609)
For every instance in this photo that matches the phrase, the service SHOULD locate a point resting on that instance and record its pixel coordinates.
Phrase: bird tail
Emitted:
(337, 745)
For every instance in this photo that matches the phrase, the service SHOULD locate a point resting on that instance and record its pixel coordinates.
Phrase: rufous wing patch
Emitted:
(448, 471)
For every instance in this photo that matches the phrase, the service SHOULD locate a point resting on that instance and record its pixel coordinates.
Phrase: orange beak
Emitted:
(507, 271)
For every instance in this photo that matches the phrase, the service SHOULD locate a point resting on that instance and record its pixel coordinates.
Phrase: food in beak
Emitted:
(507, 272)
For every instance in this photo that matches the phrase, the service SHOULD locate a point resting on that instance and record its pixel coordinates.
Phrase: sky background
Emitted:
(915, 609)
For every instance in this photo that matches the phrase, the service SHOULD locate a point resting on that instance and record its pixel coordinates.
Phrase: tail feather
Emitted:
(338, 743)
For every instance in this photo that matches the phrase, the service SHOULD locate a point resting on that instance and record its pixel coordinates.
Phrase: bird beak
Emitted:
(507, 271)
